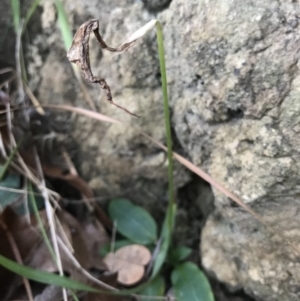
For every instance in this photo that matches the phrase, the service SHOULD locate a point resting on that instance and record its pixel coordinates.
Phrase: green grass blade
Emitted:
(74, 296)
(64, 24)
(31, 11)
(40, 223)
(44, 277)
(15, 6)
(162, 64)
(166, 237)
(5, 167)
(23, 67)
(166, 234)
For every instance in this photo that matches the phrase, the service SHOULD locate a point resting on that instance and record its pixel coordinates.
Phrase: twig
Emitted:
(113, 241)
(18, 63)
(49, 213)
(33, 99)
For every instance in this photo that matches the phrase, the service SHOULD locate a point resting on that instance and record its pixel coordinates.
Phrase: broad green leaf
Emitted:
(44, 277)
(118, 244)
(166, 236)
(155, 288)
(133, 221)
(178, 254)
(190, 284)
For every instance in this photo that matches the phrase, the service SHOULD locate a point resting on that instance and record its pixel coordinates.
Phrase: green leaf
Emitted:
(178, 254)
(166, 237)
(65, 29)
(118, 244)
(44, 277)
(190, 284)
(133, 221)
(155, 288)
(8, 197)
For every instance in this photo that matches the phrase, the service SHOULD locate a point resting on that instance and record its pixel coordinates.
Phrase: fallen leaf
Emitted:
(19, 228)
(129, 262)
(88, 238)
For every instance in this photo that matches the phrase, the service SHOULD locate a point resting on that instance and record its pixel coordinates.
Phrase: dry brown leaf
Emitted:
(87, 240)
(6, 277)
(19, 228)
(79, 54)
(129, 262)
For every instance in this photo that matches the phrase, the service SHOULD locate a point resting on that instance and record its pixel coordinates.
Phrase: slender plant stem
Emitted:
(5, 167)
(161, 54)
(40, 223)
(15, 5)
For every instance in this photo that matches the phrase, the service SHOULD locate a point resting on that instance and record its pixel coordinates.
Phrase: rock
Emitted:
(156, 5)
(234, 82)
(245, 255)
(7, 48)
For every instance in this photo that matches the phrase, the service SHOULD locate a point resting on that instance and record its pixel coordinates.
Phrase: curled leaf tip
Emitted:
(79, 52)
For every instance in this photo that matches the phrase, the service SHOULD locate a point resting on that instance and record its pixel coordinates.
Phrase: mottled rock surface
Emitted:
(234, 81)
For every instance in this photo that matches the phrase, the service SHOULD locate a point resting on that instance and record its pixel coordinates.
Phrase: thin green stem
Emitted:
(4, 168)
(74, 296)
(168, 225)
(161, 54)
(23, 67)
(66, 31)
(15, 5)
(30, 12)
(40, 223)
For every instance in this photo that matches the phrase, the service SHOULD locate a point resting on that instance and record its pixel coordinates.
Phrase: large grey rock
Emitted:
(234, 81)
